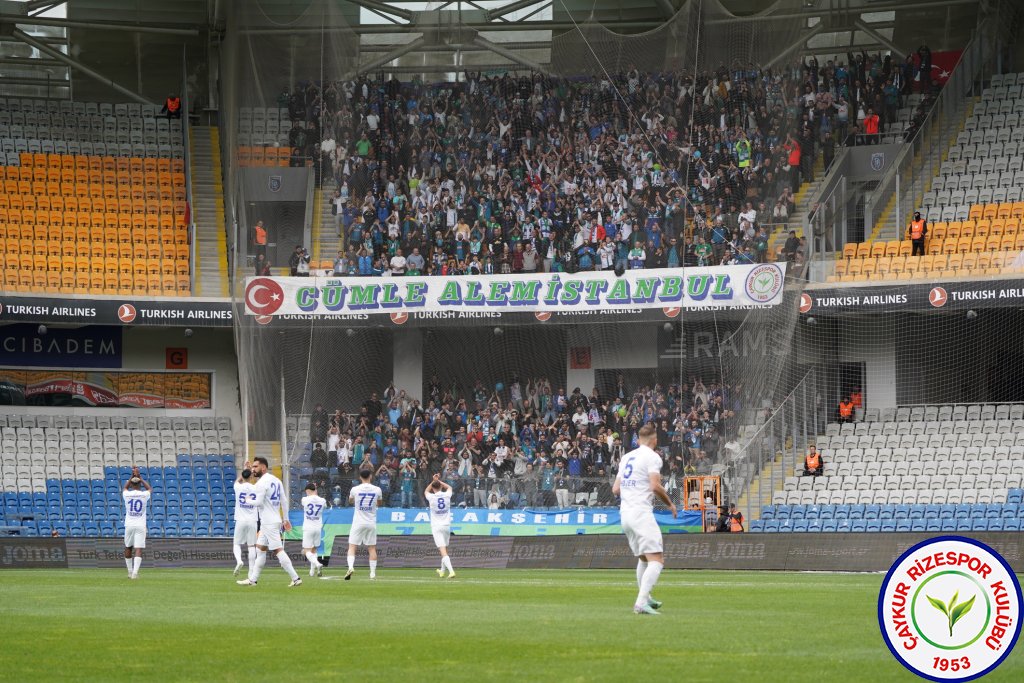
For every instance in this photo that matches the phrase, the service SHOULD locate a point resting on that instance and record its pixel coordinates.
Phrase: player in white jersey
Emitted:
(312, 527)
(638, 481)
(246, 518)
(135, 502)
(271, 501)
(439, 502)
(364, 498)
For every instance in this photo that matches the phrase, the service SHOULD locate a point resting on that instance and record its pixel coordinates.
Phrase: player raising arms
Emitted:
(312, 526)
(639, 477)
(364, 498)
(135, 502)
(439, 500)
(271, 500)
(246, 517)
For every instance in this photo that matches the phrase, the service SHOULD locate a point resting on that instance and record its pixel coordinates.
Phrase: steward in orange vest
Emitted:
(813, 463)
(917, 231)
(846, 410)
(857, 399)
(735, 520)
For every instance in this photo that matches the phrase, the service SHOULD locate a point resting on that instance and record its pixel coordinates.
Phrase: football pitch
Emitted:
(409, 625)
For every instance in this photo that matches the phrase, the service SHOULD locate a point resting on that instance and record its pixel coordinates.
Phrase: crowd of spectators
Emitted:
(526, 445)
(507, 174)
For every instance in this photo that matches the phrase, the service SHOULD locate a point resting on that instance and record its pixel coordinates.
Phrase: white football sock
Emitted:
(256, 567)
(252, 555)
(373, 567)
(128, 563)
(286, 564)
(446, 563)
(648, 582)
(311, 556)
(351, 562)
(238, 554)
(136, 563)
(641, 567)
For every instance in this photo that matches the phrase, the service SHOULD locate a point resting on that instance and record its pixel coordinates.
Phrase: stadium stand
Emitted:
(974, 206)
(65, 473)
(93, 199)
(922, 468)
(394, 151)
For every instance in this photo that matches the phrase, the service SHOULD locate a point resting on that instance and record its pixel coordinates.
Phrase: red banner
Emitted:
(89, 393)
(943, 64)
(136, 399)
(185, 403)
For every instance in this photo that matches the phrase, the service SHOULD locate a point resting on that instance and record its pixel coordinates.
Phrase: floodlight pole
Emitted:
(74, 64)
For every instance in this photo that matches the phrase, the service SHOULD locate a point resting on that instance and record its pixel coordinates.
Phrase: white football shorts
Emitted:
(135, 537)
(245, 533)
(270, 536)
(311, 535)
(442, 534)
(643, 534)
(362, 535)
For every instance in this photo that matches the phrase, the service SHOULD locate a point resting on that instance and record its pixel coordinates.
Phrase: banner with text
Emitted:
(485, 522)
(724, 287)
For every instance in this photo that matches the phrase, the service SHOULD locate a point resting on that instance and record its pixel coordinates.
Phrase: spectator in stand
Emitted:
(299, 262)
(791, 247)
(871, 127)
(846, 410)
(814, 464)
(262, 267)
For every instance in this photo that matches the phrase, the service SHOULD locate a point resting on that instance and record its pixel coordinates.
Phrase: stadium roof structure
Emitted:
(40, 40)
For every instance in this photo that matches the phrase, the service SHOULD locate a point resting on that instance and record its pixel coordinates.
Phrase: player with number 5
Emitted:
(439, 500)
(638, 481)
(364, 497)
(135, 501)
(271, 501)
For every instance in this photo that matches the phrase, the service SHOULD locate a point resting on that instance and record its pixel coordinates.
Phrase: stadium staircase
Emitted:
(800, 199)
(208, 210)
(326, 242)
(921, 468)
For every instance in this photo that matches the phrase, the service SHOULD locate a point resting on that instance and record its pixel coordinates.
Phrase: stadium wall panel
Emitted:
(874, 552)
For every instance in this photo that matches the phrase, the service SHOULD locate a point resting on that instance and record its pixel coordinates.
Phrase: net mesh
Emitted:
(768, 379)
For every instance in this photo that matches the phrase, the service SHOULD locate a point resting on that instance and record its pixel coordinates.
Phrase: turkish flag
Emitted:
(943, 64)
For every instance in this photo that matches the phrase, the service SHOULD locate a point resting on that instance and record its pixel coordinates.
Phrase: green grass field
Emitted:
(408, 625)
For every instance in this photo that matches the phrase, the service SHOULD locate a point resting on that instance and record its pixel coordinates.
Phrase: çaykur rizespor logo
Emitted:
(949, 609)
(764, 282)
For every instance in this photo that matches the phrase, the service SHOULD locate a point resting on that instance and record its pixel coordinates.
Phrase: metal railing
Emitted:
(909, 177)
(186, 134)
(777, 446)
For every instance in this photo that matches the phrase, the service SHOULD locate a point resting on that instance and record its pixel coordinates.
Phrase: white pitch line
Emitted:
(663, 582)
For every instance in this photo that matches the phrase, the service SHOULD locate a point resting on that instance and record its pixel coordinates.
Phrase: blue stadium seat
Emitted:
(888, 526)
(858, 525)
(995, 524)
(218, 529)
(800, 526)
(948, 524)
(933, 525)
(44, 529)
(932, 511)
(916, 512)
(60, 527)
(756, 526)
(947, 512)
(843, 525)
(814, 526)
(830, 526)
(963, 511)
(108, 530)
(873, 525)
(1015, 496)
(170, 532)
(771, 526)
(871, 512)
(918, 525)
(826, 513)
(76, 529)
(978, 510)
(842, 512)
(1011, 524)
(964, 525)
(887, 514)
(786, 525)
